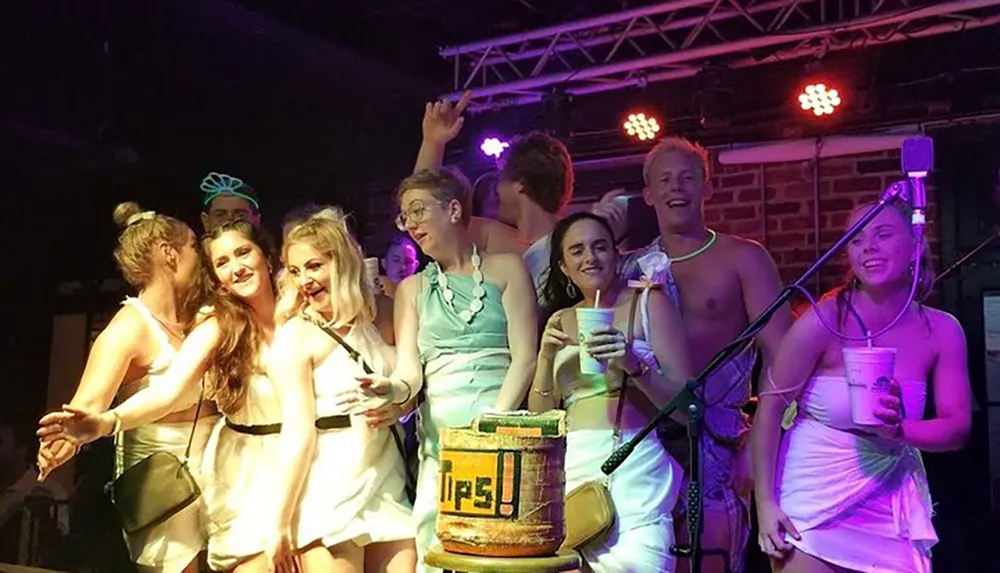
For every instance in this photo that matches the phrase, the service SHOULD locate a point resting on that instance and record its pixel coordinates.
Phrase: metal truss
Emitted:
(676, 39)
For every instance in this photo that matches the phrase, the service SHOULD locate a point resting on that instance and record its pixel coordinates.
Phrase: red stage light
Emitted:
(641, 126)
(819, 99)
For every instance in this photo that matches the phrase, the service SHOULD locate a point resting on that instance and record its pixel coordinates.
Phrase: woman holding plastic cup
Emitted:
(600, 338)
(845, 487)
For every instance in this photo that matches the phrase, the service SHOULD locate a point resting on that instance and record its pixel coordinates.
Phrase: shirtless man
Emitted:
(721, 282)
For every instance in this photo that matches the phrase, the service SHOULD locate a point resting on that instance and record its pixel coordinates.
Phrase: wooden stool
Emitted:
(564, 560)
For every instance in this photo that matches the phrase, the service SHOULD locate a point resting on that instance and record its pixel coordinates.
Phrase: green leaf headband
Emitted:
(218, 184)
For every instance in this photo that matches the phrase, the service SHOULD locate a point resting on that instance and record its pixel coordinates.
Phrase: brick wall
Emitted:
(776, 205)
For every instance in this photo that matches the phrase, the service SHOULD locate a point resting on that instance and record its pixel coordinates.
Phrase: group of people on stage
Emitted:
(303, 367)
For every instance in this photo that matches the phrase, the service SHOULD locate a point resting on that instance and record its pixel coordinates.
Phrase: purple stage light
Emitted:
(494, 147)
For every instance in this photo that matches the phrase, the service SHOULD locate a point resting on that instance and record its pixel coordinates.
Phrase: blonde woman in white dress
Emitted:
(832, 495)
(353, 500)
(158, 256)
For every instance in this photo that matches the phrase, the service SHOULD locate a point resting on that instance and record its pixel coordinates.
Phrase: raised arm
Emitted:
(949, 428)
(545, 394)
(290, 367)
(521, 307)
(442, 122)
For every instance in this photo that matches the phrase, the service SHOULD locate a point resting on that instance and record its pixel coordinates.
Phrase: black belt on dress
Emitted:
(325, 423)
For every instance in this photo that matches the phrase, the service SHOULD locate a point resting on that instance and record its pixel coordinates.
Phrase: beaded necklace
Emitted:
(478, 292)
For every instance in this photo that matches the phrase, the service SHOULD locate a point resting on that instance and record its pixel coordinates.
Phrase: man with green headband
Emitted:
(228, 198)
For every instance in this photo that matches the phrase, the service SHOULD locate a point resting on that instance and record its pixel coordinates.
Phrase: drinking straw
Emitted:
(597, 299)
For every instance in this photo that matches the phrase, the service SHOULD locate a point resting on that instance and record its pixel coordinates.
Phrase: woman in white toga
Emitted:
(158, 256)
(834, 496)
(353, 498)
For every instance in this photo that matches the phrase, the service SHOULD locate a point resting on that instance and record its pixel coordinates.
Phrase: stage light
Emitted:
(494, 147)
(641, 126)
(819, 99)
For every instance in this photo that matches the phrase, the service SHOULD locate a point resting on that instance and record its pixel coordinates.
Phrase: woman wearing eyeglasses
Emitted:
(464, 330)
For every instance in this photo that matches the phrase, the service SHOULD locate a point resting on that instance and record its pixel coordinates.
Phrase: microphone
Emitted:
(917, 157)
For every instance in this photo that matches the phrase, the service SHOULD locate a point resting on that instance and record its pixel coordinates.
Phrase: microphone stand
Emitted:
(687, 399)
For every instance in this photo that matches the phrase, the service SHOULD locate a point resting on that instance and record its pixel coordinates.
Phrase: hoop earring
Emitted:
(570, 290)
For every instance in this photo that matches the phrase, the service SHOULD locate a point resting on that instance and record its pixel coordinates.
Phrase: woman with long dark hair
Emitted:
(647, 364)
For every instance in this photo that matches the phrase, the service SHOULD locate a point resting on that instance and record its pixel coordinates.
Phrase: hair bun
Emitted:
(125, 211)
(335, 214)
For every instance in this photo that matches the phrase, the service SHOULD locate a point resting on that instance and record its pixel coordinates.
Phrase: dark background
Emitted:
(316, 100)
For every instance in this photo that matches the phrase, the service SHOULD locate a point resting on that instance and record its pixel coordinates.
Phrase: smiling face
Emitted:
(589, 257)
(676, 190)
(310, 270)
(881, 254)
(239, 264)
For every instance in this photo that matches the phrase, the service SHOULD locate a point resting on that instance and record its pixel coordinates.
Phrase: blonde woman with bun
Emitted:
(353, 499)
(157, 256)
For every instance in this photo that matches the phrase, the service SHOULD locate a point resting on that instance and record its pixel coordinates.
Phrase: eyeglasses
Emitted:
(415, 213)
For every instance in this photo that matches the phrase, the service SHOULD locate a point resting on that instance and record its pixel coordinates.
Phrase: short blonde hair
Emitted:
(326, 231)
(680, 145)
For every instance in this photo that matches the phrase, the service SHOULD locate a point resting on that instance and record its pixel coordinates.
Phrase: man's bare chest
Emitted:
(709, 293)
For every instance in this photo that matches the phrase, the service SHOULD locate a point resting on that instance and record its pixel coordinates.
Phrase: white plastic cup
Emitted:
(869, 373)
(589, 320)
(371, 272)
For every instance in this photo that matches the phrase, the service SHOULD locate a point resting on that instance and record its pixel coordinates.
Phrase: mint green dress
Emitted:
(464, 364)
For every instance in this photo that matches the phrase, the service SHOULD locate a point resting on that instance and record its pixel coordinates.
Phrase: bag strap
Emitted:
(621, 392)
(194, 424)
(356, 356)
